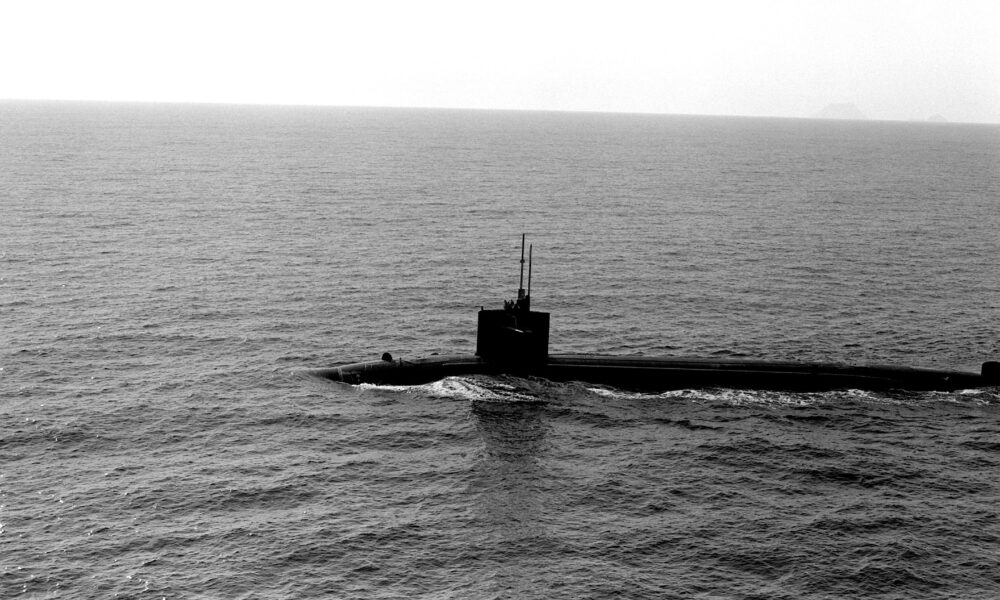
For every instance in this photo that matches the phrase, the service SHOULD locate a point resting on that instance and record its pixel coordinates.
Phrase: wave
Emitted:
(480, 388)
(509, 389)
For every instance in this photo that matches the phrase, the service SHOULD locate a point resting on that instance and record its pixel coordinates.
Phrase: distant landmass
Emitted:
(845, 110)
(936, 118)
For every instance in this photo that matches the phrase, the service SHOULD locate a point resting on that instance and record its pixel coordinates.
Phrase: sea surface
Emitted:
(169, 274)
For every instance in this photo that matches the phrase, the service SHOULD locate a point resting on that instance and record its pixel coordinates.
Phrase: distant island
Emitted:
(845, 110)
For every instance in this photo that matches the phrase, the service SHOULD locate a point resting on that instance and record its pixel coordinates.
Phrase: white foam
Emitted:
(476, 390)
(387, 388)
(461, 388)
(737, 397)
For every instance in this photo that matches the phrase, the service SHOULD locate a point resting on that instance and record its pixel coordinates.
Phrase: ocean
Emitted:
(171, 272)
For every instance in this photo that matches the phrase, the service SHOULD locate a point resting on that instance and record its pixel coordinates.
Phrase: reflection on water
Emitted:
(510, 472)
(515, 493)
(512, 432)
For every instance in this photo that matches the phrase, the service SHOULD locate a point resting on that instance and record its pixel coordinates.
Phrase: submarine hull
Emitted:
(663, 374)
(514, 341)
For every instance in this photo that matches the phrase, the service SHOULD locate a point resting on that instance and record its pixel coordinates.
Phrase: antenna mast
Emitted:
(529, 269)
(520, 285)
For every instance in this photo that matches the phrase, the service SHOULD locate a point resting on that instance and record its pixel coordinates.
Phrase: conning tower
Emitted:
(516, 334)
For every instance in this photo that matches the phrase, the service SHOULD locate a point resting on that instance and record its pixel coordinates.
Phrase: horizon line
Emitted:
(479, 108)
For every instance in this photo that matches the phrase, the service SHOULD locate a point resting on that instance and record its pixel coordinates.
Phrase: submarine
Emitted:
(514, 341)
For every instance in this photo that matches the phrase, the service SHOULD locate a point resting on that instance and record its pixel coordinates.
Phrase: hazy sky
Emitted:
(893, 59)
